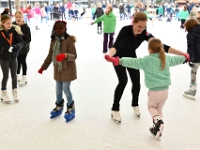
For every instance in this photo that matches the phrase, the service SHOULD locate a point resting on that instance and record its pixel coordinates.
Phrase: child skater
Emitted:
(62, 53)
(157, 78)
(10, 43)
(193, 48)
(109, 26)
(21, 58)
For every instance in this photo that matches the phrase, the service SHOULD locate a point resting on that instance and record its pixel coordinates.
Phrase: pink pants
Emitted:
(156, 101)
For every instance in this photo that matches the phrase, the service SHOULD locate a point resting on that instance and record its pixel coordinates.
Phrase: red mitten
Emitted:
(115, 60)
(60, 57)
(40, 70)
(187, 56)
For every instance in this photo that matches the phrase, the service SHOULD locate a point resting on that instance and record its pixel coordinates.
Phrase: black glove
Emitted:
(15, 48)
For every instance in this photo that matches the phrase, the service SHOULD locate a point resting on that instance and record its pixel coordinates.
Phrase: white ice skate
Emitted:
(116, 116)
(23, 81)
(4, 97)
(136, 110)
(18, 77)
(15, 96)
(190, 93)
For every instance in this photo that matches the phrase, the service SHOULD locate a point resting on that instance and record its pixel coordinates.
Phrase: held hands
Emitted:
(187, 57)
(40, 70)
(61, 57)
(114, 60)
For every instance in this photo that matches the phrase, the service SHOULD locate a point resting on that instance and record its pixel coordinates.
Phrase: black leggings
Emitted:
(122, 79)
(182, 23)
(22, 62)
(5, 66)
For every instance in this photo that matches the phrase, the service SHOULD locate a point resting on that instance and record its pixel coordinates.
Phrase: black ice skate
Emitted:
(158, 127)
(57, 110)
(70, 113)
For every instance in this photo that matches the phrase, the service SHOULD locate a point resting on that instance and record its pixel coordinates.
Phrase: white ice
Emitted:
(26, 125)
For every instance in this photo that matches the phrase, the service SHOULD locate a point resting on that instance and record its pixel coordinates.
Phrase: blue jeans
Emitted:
(60, 87)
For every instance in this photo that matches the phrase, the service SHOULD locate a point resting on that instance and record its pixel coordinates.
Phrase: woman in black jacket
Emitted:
(10, 43)
(21, 58)
(128, 40)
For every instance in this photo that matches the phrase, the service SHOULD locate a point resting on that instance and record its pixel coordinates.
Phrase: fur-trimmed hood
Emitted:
(17, 28)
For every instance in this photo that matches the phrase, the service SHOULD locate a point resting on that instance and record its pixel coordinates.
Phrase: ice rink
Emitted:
(26, 125)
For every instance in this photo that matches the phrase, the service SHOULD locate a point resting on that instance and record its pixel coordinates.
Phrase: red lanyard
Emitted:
(10, 40)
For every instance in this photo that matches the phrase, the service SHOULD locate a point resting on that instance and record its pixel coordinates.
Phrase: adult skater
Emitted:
(62, 53)
(129, 39)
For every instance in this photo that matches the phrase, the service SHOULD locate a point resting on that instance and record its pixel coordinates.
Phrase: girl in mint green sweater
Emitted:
(157, 78)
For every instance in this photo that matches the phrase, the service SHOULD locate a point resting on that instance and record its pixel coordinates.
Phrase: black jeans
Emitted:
(5, 66)
(22, 62)
(122, 79)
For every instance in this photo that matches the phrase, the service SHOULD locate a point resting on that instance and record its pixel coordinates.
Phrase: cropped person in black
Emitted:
(129, 39)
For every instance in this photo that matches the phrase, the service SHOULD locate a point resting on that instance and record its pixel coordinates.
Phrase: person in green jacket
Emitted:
(109, 26)
(183, 16)
(160, 12)
(157, 78)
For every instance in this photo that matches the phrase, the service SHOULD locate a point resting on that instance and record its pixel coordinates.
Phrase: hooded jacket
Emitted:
(193, 44)
(109, 22)
(68, 72)
(4, 45)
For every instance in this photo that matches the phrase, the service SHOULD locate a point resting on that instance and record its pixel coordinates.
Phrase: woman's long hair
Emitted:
(156, 46)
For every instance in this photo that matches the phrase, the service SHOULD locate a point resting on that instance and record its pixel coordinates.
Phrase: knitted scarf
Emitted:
(56, 51)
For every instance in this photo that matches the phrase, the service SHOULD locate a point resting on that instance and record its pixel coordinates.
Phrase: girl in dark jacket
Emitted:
(25, 49)
(10, 43)
(98, 13)
(193, 48)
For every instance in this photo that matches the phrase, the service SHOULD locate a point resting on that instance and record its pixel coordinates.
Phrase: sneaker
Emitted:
(116, 116)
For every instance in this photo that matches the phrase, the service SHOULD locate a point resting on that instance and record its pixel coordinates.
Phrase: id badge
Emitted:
(10, 49)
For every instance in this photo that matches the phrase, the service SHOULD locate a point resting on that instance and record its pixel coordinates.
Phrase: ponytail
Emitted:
(162, 58)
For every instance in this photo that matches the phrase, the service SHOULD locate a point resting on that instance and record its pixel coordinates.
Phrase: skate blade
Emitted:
(69, 118)
(188, 96)
(53, 116)
(16, 101)
(159, 132)
(22, 84)
(6, 102)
